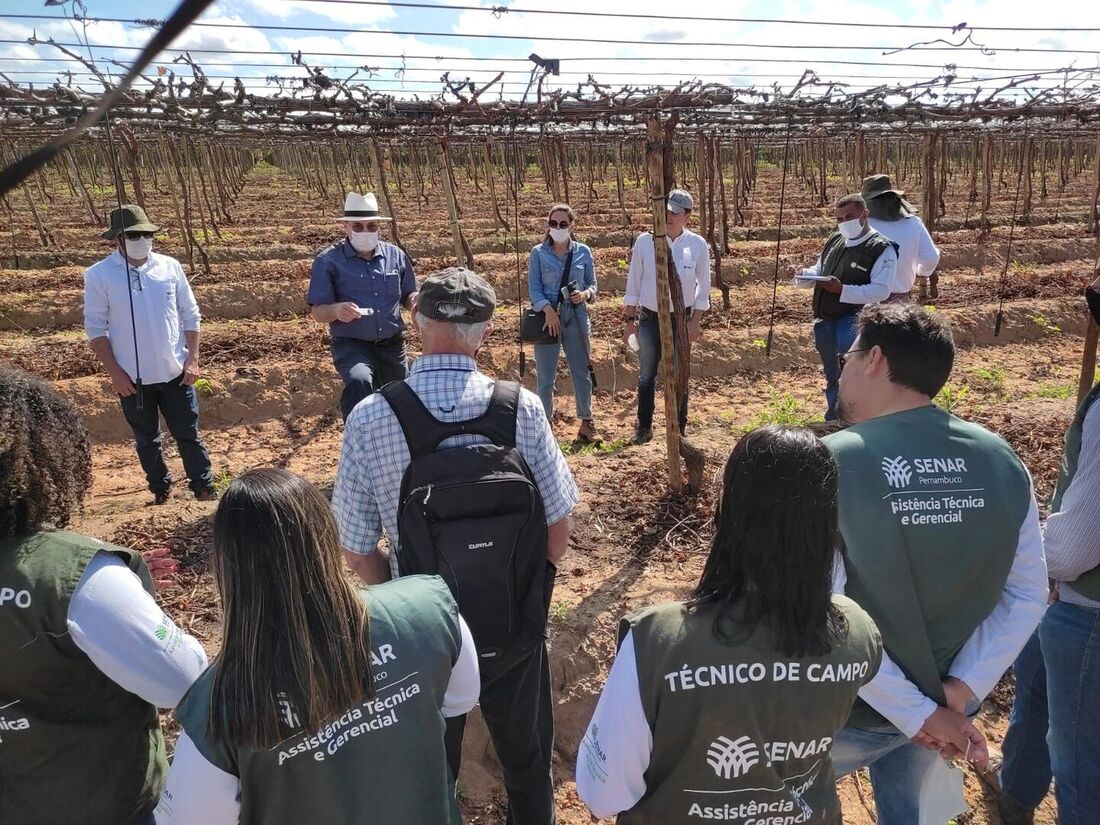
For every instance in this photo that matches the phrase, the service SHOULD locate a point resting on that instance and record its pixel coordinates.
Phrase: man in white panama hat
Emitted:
(358, 286)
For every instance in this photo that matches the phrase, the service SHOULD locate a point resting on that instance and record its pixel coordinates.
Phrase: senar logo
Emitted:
(897, 471)
(730, 759)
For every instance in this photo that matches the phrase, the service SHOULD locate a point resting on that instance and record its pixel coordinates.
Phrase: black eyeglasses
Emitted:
(135, 279)
(842, 359)
(559, 224)
(133, 236)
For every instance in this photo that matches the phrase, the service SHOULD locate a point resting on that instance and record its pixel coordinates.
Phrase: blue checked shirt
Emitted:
(375, 455)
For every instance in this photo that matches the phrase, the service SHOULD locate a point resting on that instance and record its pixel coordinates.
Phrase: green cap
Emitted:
(128, 218)
(458, 296)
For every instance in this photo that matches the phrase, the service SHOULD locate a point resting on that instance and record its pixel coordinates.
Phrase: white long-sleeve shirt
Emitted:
(691, 254)
(917, 254)
(128, 637)
(991, 648)
(882, 277)
(199, 793)
(164, 309)
(1073, 533)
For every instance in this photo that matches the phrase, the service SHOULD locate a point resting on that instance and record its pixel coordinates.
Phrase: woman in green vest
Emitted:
(326, 703)
(87, 655)
(724, 706)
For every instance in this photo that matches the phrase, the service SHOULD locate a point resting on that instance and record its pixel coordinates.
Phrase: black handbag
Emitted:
(532, 322)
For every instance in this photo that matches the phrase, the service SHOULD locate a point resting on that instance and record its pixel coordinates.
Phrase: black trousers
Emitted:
(519, 713)
(180, 406)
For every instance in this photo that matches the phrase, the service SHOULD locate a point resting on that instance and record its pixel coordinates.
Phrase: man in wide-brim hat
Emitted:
(358, 286)
(142, 320)
(893, 216)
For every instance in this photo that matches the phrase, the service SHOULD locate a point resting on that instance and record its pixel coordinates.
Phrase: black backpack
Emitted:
(474, 516)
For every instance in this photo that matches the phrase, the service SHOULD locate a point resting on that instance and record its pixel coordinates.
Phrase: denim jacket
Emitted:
(544, 274)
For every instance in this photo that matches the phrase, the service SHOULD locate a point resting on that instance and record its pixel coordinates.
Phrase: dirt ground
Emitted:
(271, 394)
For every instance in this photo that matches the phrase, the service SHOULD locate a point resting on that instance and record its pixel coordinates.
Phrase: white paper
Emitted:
(941, 794)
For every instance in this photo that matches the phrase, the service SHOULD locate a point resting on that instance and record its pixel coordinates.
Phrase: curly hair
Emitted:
(45, 457)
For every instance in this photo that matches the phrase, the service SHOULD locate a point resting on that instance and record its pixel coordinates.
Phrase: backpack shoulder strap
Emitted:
(424, 432)
(499, 421)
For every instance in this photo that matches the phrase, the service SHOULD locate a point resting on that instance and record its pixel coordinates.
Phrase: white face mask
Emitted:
(139, 249)
(363, 241)
(850, 229)
(559, 235)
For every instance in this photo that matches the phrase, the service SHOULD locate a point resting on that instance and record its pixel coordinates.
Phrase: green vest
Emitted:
(1088, 583)
(742, 733)
(851, 265)
(381, 761)
(74, 746)
(930, 513)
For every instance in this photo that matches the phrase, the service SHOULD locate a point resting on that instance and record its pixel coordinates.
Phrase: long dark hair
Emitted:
(295, 636)
(775, 537)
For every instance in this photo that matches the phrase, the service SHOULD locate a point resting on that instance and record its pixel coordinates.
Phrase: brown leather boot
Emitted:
(587, 433)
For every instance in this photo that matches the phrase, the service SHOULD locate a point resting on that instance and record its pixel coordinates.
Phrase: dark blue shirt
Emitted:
(380, 283)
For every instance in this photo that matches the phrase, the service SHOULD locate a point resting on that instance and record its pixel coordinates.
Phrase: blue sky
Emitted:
(362, 30)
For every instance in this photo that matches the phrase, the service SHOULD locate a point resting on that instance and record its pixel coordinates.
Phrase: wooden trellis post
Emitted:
(625, 216)
(487, 152)
(1094, 218)
(657, 195)
(384, 187)
(462, 249)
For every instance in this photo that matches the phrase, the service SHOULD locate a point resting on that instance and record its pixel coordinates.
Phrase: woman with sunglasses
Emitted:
(563, 297)
(327, 703)
(725, 706)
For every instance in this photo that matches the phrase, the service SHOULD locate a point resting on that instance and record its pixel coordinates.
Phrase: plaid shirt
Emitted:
(375, 454)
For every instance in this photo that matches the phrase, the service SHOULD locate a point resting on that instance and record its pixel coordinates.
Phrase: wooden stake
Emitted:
(384, 187)
(625, 216)
(461, 248)
(487, 152)
(657, 196)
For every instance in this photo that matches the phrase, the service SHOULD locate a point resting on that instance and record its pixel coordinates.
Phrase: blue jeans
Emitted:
(367, 366)
(179, 405)
(897, 767)
(833, 336)
(649, 357)
(574, 338)
(1054, 729)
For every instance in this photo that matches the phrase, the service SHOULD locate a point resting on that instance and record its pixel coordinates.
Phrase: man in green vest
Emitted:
(88, 655)
(1053, 731)
(855, 268)
(941, 547)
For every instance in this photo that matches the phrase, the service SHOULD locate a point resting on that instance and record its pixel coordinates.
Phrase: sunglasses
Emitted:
(559, 224)
(842, 359)
(133, 236)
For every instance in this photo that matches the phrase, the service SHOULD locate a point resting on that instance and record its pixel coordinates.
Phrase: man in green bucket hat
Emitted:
(893, 216)
(142, 320)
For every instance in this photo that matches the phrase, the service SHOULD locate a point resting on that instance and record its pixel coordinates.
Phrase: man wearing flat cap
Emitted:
(358, 286)
(893, 216)
(453, 315)
(142, 320)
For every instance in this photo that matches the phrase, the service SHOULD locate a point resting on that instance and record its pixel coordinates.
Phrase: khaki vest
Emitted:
(742, 733)
(74, 746)
(381, 761)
